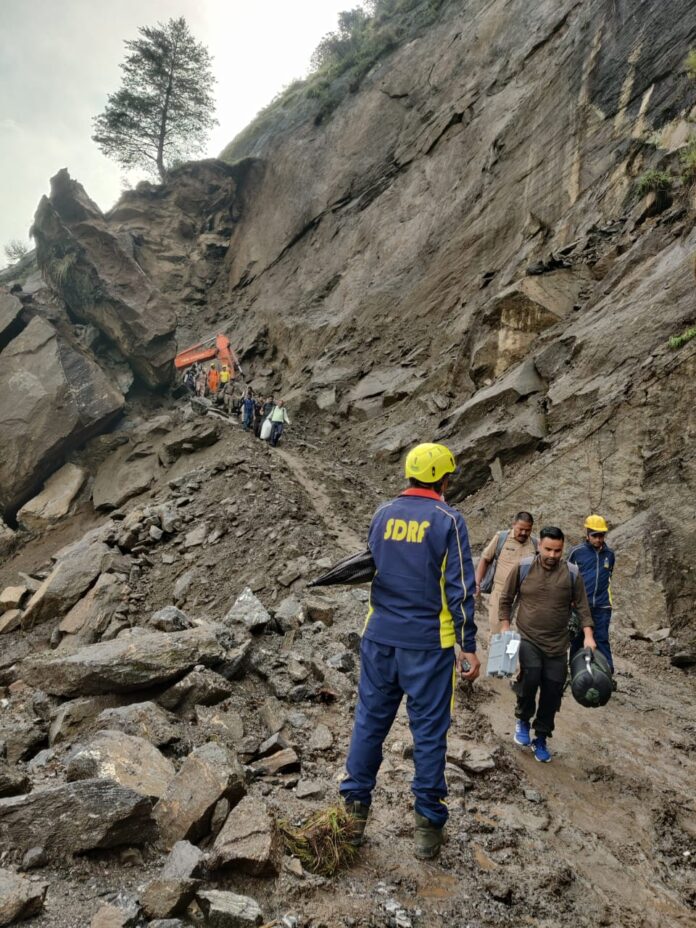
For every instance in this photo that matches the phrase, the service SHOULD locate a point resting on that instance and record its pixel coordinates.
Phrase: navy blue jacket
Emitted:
(596, 567)
(422, 595)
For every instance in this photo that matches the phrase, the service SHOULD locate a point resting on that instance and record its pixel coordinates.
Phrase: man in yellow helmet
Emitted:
(595, 560)
(421, 605)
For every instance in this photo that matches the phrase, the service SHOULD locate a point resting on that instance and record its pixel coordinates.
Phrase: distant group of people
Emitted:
(218, 384)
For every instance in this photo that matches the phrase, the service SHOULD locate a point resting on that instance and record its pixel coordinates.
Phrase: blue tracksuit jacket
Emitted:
(422, 595)
(596, 568)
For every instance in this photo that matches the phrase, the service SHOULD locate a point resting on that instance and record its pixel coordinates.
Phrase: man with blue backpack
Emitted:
(499, 559)
(546, 591)
(596, 560)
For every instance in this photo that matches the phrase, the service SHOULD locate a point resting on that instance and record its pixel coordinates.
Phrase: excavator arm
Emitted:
(215, 348)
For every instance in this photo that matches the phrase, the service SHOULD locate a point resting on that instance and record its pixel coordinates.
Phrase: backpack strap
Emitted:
(524, 568)
(573, 571)
(502, 538)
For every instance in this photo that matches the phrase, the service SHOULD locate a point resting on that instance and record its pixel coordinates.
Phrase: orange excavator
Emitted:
(215, 348)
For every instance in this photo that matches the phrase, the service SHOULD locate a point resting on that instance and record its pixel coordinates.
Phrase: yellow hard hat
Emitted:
(596, 524)
(429, 463)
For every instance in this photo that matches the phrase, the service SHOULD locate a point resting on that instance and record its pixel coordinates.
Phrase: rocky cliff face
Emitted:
(461, 252)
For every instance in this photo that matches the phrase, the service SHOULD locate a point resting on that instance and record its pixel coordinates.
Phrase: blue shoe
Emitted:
(522, 736)
(541, 752)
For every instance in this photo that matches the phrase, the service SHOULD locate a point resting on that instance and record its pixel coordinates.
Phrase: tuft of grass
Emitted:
(676, 341)
(690, 64)
(322, 843)
(653, 181)
(687, 157)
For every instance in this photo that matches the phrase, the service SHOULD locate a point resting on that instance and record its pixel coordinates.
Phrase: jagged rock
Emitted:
(10, 621)
(169, 619)
(289, 613)
(228, 910)
(310, 789)
(13, 782)
(34, 858)
(382, 388)
(90, 616)
(77, 567)
(248, 841)
(55, 500)
(76, 817)
(183, 585)
(320, 610)
(164, 897)
(23, 732)
(273, 714)
(19, 898)
(249, 611)
(321, 738)
(100, 280)
(191, 436)
(200, 687)
(221, 722)
(185, 861)
(44, 417)
(344, 661)
(208, 774)
(477, 759)
(69, 719)
(126, 915)
(282, 761)
(10, 313)
(8, 539)
(142, 720)
(123, 664)
(11, 597)
(132, 762)
(126, 473)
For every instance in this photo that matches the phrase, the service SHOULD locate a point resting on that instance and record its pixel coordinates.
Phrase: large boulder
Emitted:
(77, 567)
(53, 398)
(90, 616)
(123, 664)
(248, 841)
(95, 271)
(76, 817)
(130, 761)
(210, 773)
(55, 500)
(128, 472)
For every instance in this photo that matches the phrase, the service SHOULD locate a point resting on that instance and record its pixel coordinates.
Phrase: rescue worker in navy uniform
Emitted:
(595, 561)
(421, 604)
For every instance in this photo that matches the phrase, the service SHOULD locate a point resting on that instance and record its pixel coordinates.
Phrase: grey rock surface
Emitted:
(130, 761)
(19, 898)
(76, 817)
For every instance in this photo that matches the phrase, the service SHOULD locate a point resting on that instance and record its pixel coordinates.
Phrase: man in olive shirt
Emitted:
(517, 543)
(546, 590)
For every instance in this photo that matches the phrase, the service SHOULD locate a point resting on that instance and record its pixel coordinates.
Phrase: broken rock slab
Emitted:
(12, 597)
(71, 718)
(164, 897)
(123, 664)
(76, 817)
(126, 915)
(19, 898)
(126, 473)
(228, 910)
(77, 567)
(89, 618)
(248, 841)
(248, 610)
(54, 501)
(13, 782)
(132, 762)
(10, 621)
(53, 398)
(199, 687)
(169, 619)
(210, 773)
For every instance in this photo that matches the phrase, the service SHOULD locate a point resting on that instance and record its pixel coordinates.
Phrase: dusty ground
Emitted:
(605, 835)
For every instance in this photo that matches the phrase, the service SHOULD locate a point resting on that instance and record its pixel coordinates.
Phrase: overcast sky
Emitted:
(60, 58)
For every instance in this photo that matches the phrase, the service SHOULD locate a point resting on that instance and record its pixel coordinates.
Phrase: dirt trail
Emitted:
(322, 502)
(620, 791)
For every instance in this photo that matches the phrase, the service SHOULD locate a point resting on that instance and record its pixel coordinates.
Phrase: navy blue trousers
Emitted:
(601, 619)
(426, 678)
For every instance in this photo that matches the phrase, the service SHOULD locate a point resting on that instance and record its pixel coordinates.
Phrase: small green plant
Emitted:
(676, 341)
(690, 64)
(323, 843)
(654, 181)
(687, 157)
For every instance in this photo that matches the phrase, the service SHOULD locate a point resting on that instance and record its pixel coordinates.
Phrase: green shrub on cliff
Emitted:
(678, 340)
(687, 157)
(690, 64)
(653, 181)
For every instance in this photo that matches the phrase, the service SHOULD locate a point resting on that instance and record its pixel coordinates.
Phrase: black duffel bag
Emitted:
(590, 679)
